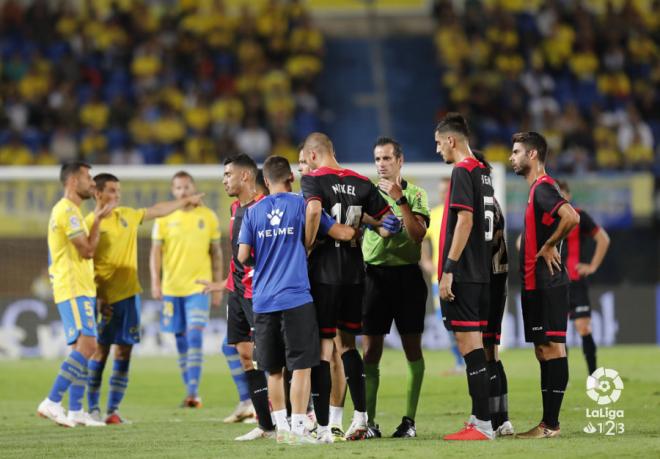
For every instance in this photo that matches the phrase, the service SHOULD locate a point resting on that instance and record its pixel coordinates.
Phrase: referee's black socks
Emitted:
(258, 385)
(355, 379)
(478, 383)
(557, 380)
(321, 385)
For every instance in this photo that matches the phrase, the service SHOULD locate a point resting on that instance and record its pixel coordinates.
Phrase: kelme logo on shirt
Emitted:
(123, 222)
(275, 217)
(200, 224)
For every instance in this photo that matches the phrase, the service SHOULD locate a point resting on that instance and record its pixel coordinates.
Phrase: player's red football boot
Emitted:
(468, 433)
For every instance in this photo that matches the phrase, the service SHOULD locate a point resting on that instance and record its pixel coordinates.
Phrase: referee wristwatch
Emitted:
(401, 201)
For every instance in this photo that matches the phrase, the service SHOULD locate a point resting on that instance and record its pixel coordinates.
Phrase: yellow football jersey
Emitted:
(70, 274)
(433, 234)
(115, 259)
(186, 237)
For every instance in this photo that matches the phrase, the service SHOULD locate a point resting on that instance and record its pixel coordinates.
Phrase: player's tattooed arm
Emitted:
(312, 222)
(165, 208)
(216, 263)
(155, 263)
(340, 232)
(244, 254)
(462, 232)
(568, 219)
(387, 226)
(86, 244)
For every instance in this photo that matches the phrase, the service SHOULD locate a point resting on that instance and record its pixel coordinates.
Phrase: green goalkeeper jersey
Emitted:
(399, 249)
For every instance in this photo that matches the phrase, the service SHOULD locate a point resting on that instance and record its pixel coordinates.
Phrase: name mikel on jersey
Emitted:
(344, 189)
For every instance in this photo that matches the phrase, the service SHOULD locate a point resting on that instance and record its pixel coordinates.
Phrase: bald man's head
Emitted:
(316, 147)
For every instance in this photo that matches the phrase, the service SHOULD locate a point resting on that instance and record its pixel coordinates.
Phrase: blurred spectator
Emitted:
(253, 139)
(585, 74)
(15, 153)
(143, 81)
(634, 131)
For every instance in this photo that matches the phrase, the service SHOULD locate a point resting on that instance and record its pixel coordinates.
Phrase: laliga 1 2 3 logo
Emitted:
(604, 387)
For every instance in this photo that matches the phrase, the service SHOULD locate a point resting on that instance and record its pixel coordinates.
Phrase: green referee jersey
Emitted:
(399, 249)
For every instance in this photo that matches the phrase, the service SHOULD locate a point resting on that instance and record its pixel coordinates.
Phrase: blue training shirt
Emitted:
(275, 228)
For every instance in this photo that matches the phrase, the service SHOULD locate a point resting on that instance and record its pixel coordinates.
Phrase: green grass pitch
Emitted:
(160, 429)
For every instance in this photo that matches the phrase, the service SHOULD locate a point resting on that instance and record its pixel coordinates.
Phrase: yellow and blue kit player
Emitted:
(186, 245)
(71, 246)
(118, 289)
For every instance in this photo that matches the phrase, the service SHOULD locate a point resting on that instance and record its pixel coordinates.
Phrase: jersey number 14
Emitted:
(353, 218)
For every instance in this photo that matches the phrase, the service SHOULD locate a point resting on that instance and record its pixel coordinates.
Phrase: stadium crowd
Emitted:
(585, 74)
(138, 81)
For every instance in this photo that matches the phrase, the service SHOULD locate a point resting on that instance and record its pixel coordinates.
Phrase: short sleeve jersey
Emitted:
(71, 274)
(115, 259)
(399, 249)
(539, 224)
(186, 237)
(345, 195)
(240, 277)
(275, 230)
(575, 243)
(470, 189)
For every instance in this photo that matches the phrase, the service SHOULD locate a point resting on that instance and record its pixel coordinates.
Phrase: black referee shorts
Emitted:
(544, 314)
(287, 338)
(394, 293)
(240, 322)
(469, 310)
(338, 306)
(498, 291)
(578, 297)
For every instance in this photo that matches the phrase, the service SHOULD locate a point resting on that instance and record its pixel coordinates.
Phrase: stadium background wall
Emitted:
(30, 327)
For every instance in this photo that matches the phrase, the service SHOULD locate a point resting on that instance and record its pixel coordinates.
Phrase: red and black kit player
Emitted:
(337, 271)
(578, 290)
(239, 180)
(499, 397)
(464, 264)
(549, 218)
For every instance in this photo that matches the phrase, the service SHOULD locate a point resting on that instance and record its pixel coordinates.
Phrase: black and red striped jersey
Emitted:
(240, 277)
(540, 223)
(345, 195)
(575, 243)
(471, 189)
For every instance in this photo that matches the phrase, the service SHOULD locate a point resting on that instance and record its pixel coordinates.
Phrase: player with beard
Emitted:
(71, 247)
(549, 218)
(239, 180)
(464, 265)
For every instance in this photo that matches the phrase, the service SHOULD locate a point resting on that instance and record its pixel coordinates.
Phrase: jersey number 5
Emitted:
(489, 214)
